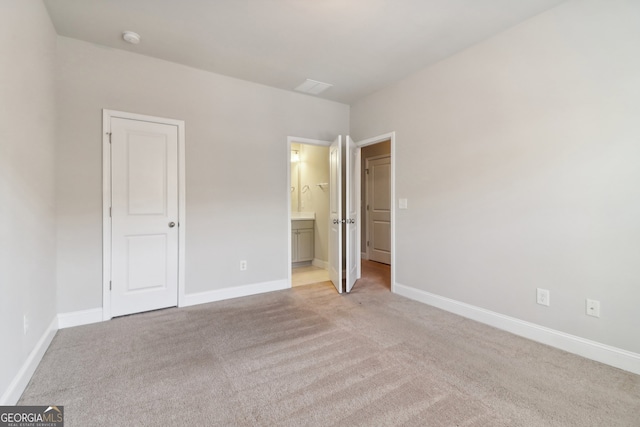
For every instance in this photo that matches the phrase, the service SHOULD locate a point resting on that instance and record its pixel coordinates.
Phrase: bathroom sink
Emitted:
(302, 216)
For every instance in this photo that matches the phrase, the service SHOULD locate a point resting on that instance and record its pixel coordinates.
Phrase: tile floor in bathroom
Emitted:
(308, 275)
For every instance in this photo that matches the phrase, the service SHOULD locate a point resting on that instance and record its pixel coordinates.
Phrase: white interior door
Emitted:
(335, 213)
(352, 208)
(379, 209)
(144, 224)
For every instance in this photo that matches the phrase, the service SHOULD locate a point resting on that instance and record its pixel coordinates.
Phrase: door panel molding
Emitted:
(107, 116)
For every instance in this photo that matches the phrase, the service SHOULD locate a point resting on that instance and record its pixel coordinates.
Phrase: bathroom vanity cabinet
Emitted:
(302, 245)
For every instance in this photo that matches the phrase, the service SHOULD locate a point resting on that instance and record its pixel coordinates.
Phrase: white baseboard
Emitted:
(22, 378)
(78, 318)
(593, 350)
(320, 263)
(363, 255)
(235, 292)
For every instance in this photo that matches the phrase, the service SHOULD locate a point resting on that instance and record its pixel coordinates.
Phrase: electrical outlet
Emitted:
(26, 324)
(543, 297)
(593, 308)
(243, 265)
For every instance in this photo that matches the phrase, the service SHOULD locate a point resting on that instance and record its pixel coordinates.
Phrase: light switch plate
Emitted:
(402, 203)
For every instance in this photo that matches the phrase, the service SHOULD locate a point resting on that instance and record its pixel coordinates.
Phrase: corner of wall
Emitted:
(21, 380)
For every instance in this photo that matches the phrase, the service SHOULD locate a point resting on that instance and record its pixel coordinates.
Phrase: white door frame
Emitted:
(107, 115)
(391, 136)
(367, 213)
(295, 140)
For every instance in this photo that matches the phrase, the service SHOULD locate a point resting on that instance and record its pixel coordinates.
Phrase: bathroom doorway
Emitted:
(309, 208)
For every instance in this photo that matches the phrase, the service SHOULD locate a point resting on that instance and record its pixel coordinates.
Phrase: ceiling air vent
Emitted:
(313, 87)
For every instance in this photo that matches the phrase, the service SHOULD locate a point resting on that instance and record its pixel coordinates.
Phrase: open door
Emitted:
(352, 211)
(349, 217)
(335, 213)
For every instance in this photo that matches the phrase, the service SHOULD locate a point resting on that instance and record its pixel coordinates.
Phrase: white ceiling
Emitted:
(359, 46)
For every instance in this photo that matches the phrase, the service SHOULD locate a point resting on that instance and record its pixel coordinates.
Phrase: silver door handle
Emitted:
(172, 224)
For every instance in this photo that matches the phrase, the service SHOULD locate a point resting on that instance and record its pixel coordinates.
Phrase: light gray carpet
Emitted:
(309, 356)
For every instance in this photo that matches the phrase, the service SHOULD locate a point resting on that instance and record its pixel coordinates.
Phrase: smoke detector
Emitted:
(131, 37)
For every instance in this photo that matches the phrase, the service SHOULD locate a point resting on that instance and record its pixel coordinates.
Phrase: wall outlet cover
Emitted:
(543, 297)
(593, 308)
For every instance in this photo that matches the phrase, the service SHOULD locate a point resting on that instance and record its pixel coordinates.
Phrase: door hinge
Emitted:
(367, 171)
(109, 212)
(109, 284)
(109, 133)
(367, 207)
(367, 243)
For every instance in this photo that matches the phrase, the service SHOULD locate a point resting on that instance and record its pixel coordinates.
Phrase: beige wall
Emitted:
(236, 143)
(520, 159)
(27, 203)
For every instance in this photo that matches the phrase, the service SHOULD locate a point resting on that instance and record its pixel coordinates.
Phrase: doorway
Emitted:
(354, 220)
(376, 203)
(143, 203)
(377, 233)
(341, 189)
(309, 211)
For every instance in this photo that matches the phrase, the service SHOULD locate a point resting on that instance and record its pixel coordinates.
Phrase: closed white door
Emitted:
(335, 213)
(352, 222)
(379, 209)
(144, 224)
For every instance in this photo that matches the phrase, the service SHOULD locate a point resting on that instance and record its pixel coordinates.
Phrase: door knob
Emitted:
(172, 224)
